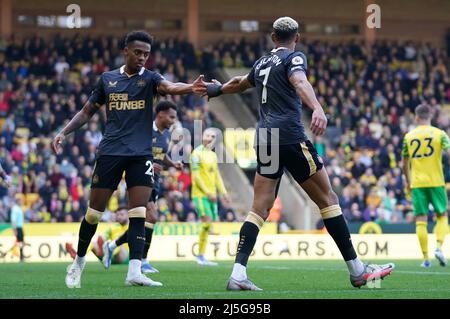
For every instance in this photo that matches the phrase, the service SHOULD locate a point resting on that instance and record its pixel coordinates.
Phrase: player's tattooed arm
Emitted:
(236, 84)
(81, 118)
(197, 87)
(306, 93)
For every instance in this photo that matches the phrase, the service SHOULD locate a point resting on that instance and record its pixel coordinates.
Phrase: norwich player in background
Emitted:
(206, 185)
(120, 255)
(422, 166)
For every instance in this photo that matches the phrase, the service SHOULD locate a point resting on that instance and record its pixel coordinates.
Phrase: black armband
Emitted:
(213, 90)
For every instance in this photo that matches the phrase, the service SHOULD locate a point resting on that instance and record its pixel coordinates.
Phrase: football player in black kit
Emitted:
(128, 94)
(165, 117)
(281, 144)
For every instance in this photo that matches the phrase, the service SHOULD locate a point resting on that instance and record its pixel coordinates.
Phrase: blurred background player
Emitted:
(120, 255)
(207, 184)
(17, 220)
(165, 117)
(422, 166)
(281, 83)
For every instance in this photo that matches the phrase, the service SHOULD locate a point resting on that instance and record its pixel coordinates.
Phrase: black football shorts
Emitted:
(300, 159)
(108, 171)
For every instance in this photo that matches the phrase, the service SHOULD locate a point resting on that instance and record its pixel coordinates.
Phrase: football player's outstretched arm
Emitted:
(81, 118)
(306, 93)
(236, 84)
(197, 87)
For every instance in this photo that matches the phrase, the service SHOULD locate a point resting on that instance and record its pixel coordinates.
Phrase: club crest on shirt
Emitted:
(140, 83)
(297, 60)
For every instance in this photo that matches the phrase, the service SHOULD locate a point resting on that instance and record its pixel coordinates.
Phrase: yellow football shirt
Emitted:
(205, 173)
(114, 232)
(423, 146)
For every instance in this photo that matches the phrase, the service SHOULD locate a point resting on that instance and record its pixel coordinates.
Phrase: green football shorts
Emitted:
(423, 196)
(205, 207)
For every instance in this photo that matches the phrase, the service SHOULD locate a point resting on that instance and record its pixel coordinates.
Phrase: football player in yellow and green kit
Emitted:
(207, 184)
(120, 254)
(422, 156)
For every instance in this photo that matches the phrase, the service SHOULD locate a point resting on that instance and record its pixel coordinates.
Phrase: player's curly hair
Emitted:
(285, 29)
(138, 36)
(164, 106)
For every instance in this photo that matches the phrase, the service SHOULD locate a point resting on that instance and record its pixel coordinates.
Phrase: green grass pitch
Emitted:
(187, 280)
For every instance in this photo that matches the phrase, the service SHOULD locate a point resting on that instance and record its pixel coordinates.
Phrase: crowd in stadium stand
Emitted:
(42, 85)
(232, 54)
(369, 95)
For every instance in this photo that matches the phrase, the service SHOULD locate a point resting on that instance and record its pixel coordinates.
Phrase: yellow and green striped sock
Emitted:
(203, 238)
(422, 234)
